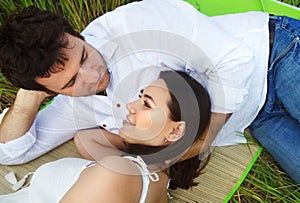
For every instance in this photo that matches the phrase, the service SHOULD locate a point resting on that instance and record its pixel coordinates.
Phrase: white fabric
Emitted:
(228, 55)
(146, 176)
(20, 196)
(11, 178)
(51, 181)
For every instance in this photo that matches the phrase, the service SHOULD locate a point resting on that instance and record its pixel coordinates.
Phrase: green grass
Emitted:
(79, 12)
(266, 182)
(7, 93)
(292, 2)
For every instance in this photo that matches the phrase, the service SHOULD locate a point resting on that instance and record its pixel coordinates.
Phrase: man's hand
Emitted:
(19, 118)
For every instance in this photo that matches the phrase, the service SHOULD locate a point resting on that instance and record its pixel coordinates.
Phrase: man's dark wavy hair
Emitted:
(31, 43)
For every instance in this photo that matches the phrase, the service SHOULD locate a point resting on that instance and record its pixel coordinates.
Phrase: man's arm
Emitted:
(21, 114)
(216, 123)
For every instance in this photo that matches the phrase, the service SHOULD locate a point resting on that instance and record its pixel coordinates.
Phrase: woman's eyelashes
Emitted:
(141, 92)
(145, 102)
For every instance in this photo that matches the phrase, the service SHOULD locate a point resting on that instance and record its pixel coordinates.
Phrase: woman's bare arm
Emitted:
(94, 144)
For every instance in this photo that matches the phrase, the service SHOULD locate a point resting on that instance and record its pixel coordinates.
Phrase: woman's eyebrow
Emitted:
(149, 97)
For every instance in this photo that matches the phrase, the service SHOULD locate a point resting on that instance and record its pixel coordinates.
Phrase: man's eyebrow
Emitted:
(149, 97)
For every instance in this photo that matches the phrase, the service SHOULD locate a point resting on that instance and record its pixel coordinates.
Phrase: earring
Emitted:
(165, 140)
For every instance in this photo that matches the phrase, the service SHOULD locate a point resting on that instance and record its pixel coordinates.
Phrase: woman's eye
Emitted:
(146, 104)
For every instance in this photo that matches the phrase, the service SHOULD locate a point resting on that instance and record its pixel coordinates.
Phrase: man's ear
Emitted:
(177, 132)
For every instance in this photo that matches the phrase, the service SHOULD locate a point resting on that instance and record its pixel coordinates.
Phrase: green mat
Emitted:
(217, 7)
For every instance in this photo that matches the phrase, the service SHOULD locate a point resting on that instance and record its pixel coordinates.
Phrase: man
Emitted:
(220, 52)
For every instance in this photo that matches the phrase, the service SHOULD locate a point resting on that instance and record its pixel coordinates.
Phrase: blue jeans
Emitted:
(277, 126)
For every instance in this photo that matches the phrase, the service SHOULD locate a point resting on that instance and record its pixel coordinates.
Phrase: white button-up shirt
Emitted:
(227, 54)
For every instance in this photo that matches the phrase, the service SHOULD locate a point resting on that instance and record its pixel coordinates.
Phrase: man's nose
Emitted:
(89, 75)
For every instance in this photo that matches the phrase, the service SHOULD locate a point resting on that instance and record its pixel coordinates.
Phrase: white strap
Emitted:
(11, 178)
(152, 176)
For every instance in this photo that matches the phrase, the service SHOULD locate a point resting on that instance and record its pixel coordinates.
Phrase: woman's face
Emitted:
(148, 119)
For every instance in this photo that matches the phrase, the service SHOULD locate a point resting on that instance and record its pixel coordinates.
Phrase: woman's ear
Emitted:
(177, 132)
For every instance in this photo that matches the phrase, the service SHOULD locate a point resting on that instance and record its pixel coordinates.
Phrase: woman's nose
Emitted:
(131, 107)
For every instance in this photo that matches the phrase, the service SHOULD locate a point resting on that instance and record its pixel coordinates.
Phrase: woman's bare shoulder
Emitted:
(107, 180)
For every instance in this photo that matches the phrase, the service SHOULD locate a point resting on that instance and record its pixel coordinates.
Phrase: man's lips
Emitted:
(125, 122)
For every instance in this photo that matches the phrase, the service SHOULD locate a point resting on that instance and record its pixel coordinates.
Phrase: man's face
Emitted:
(83, 74)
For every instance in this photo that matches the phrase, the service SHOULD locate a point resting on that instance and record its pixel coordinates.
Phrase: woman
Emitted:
(160, 126)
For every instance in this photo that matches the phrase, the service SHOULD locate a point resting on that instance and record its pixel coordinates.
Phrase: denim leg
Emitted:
(286, 65)
(277, 134)
(277, 127)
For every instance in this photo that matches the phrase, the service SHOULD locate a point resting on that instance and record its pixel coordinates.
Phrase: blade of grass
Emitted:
(26, 3)
(68, 9)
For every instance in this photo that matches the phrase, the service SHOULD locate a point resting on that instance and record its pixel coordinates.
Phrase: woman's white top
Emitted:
(52, 181)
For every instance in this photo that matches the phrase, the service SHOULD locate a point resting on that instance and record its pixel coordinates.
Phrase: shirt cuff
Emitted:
(3, 114)
(11, 152)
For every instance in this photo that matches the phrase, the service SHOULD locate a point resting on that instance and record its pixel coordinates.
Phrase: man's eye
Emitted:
(72, 83)
(84, 57)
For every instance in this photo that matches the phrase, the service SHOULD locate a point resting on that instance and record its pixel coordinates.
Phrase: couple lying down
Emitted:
(142, 162)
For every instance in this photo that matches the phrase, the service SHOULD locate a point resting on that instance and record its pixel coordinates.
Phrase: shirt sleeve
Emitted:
(11, 152)
(52, 126)
(228, 68)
